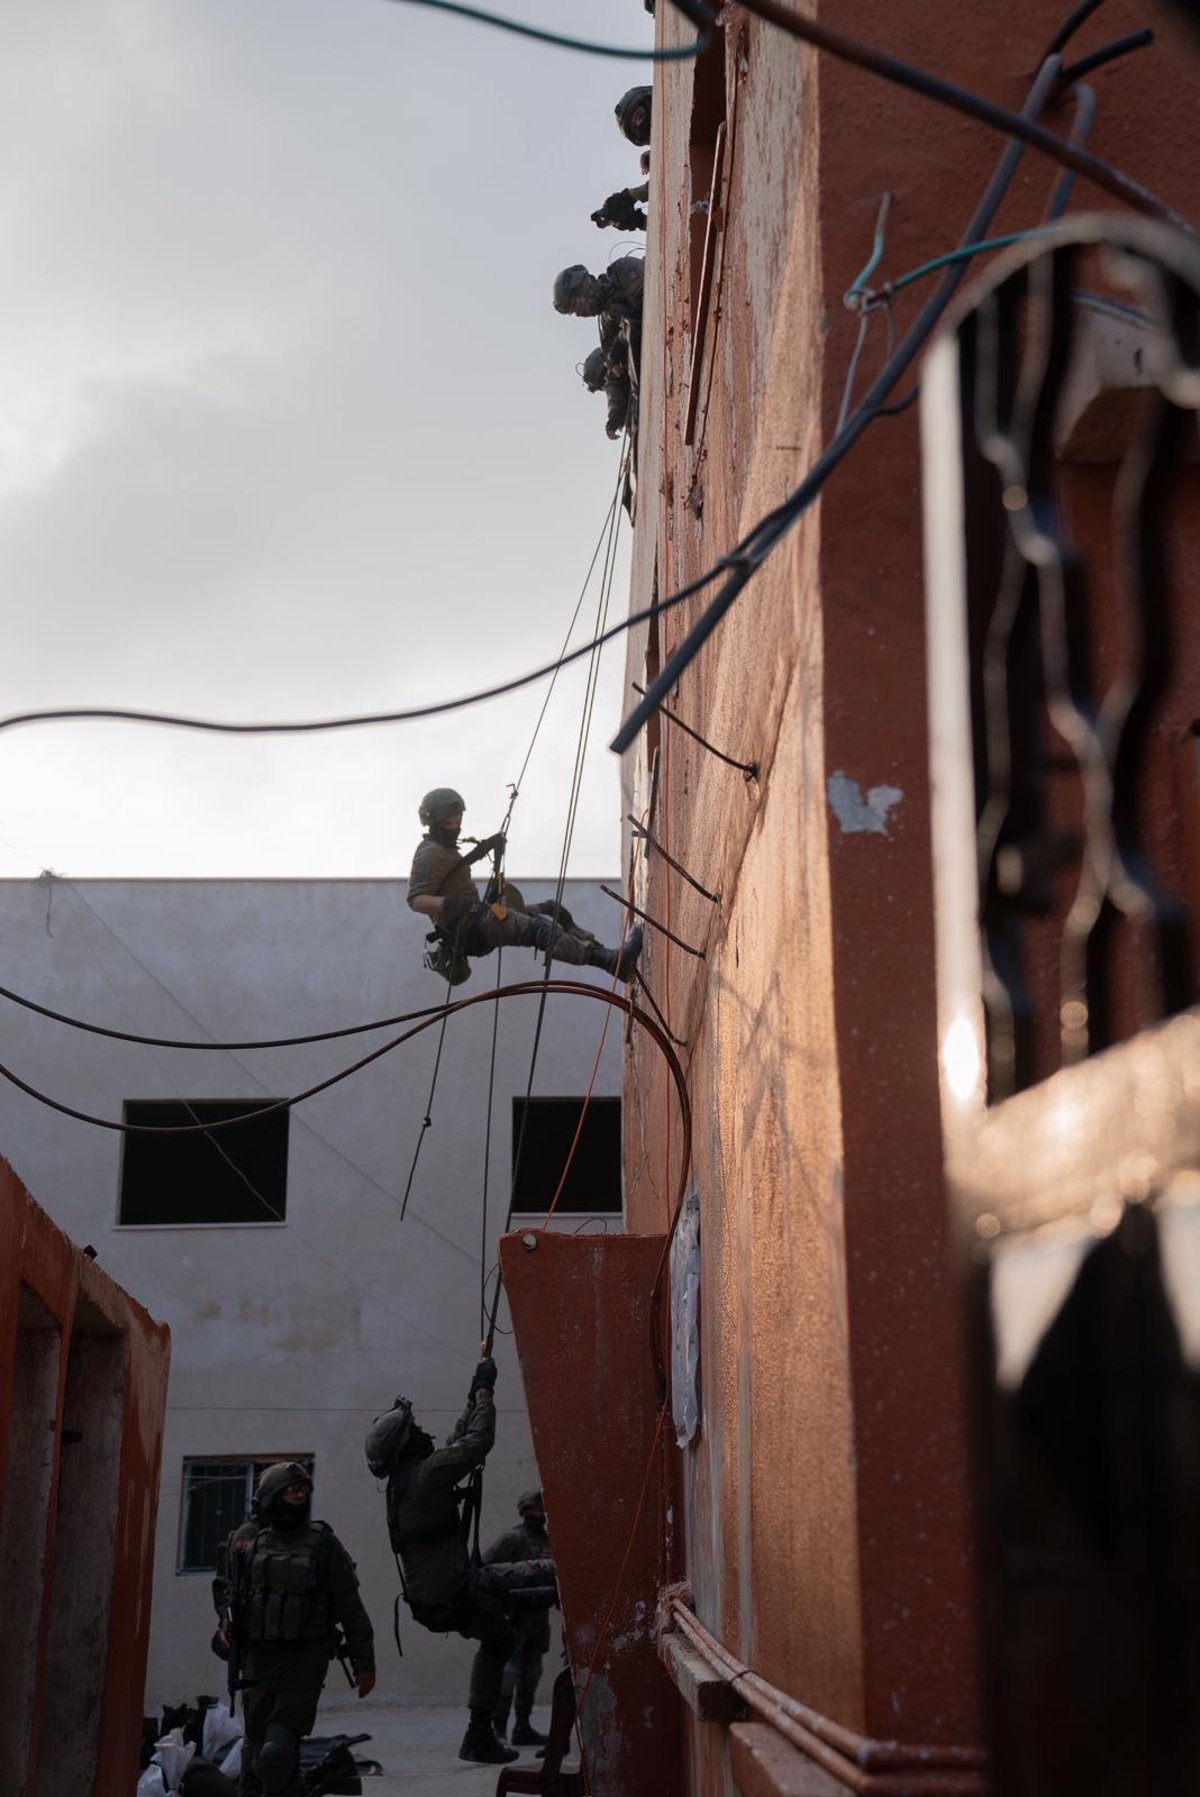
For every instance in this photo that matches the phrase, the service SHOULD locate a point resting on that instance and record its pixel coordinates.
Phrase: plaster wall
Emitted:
(827, 1524)
(289, 1339)
(83, 1376)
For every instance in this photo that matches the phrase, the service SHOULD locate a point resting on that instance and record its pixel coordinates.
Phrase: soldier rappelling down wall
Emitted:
(440, 887)
(444, 1582)
(621, 209)
(285, 1590)
(614, 299)
(611, 379)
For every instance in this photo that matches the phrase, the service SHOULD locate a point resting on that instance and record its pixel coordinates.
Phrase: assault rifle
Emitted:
(233, 1625)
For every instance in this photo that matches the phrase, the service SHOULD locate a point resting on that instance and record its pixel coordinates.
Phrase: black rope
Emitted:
(498, 874)
(975, 106)
(585, 46)
(572, 812)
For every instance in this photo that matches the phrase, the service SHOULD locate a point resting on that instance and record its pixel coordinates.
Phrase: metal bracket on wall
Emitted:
(748, 768)
(698, 953)
(640, 830)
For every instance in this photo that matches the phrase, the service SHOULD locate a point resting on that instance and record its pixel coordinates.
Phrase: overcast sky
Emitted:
(288, 426)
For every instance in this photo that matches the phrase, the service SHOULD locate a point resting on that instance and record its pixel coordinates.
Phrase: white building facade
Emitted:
(300, 1301)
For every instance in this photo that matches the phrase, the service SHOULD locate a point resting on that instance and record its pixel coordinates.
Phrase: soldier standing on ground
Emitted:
(531, 1628)
(285, 1585)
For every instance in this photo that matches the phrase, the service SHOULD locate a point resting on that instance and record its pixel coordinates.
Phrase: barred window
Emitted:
(216, 1498)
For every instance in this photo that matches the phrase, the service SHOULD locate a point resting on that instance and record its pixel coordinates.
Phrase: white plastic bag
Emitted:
(173, 1753)
(150, 1784)
(231, 1765)
(220, 1731)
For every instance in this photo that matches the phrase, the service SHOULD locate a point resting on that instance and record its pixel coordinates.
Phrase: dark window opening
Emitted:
(593, 1181)
(216, 1498)
(222, 1176)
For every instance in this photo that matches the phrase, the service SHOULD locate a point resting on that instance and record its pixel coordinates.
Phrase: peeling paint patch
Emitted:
(859, 814)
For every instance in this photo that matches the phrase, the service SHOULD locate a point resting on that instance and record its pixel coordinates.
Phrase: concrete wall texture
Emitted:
(826, 1518)
(83, 1379)
(289, 1338)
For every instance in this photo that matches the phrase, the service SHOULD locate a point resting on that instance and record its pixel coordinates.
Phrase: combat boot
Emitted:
(622, 961)
(524, 1734)
(480, 1743)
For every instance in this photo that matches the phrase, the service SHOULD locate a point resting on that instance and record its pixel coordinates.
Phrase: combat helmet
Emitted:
(530, 1500)
(567, 285)
(388, 1437)
(439, 804)
(626, 106)
(593, 371)
(268, 1504)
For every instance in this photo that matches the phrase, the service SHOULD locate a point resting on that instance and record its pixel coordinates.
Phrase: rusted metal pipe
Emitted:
(869, 1766)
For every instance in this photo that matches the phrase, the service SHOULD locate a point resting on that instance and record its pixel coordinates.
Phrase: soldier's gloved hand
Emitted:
(485, 1375)
(620, 208)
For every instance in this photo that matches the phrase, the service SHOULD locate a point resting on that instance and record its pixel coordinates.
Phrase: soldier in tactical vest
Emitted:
(531, 1628)
(285, 1587)
(440, 887)
(444, 1586)
(616, 293)
(599, 376)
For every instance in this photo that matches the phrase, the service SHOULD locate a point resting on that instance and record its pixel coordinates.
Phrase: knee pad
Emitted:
(278, 1759)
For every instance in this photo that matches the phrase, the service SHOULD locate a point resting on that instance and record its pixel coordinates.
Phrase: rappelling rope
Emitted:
(514, 794)
(606, 580)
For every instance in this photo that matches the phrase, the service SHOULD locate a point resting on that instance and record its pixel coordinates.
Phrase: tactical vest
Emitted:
(286, 1585)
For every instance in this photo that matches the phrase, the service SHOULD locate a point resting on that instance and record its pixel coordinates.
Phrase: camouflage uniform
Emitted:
(441, 872)
(296, 1586)
(427, 1537)
(531, 1628)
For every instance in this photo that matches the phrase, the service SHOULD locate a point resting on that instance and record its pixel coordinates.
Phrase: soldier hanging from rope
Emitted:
(622, 210)
(440, 887)
(433, 1526)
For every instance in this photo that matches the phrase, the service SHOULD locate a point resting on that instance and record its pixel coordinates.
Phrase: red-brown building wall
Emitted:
(83, 1378)
(827, 1536)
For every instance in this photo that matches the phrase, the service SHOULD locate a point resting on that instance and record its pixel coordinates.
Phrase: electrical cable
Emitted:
(519, 989)
(1081, 127)
(1079, 15)
(680, 53)
(115, 1035)
(754, 549)
(115, 714)
(1121, 46)
(325, 1260)
(973, 106)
